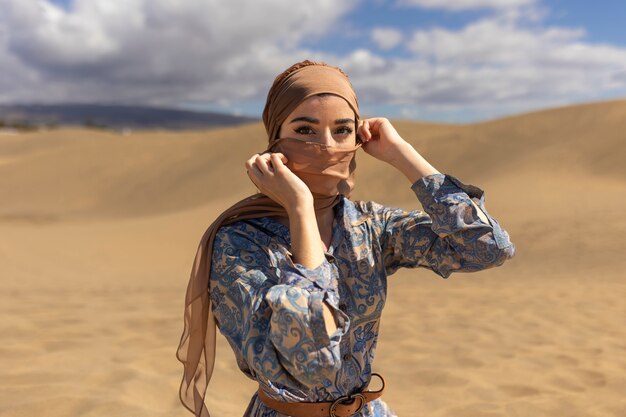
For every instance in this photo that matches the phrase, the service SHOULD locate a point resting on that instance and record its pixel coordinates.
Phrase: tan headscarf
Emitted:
(196, 348)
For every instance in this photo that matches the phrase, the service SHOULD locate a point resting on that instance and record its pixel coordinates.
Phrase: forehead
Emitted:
(327, 104)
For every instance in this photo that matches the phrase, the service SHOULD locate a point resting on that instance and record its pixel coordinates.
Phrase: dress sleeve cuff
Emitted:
(298, 275)
(435, 188)
(443, 194)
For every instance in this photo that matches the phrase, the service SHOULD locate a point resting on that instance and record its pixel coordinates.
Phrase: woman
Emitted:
(296, 275)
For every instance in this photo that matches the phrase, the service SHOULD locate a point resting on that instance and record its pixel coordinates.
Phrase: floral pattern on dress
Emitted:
(270, 309)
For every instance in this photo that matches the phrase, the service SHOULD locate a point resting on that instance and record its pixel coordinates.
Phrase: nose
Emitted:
(327, 137)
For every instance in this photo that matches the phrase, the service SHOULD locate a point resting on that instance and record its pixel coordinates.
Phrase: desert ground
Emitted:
(98, 232)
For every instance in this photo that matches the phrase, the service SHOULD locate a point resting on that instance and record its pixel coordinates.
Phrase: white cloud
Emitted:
(458, 5)
(525, 61)
(386, 38)
(494, 66)
(227, 54)
(158, 51)
(491, 41)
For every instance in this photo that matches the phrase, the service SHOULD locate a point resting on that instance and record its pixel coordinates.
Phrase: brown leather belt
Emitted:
(345, 406)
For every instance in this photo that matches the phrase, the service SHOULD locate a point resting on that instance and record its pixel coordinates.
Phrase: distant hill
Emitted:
(114, 117)
(531, 159)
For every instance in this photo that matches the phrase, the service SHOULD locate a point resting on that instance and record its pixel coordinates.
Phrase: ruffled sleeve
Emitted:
(448, 236)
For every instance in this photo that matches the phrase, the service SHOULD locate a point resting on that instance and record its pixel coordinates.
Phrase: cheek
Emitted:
(283, 129)
(353, 139)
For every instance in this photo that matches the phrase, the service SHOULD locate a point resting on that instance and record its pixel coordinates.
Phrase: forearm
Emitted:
(306, 242)
(306, 248)
(412, 164)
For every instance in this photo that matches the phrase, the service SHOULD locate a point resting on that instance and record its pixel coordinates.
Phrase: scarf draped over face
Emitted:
(328, 172)
(287, 93)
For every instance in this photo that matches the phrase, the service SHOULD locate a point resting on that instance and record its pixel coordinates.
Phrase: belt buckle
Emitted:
(342, 400)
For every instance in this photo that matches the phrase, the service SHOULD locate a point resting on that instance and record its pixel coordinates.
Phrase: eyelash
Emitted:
(347, 131)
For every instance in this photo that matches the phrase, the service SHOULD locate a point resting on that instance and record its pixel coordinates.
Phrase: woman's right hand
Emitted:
(271, 176)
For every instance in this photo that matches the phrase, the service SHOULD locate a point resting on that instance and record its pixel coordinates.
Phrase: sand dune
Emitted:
(98, 232)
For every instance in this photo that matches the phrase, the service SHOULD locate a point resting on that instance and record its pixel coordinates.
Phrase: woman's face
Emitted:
(326, 119)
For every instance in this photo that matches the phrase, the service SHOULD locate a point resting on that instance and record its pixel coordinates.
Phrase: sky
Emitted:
(456, 61)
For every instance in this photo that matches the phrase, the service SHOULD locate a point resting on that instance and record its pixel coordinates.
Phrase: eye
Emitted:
(304, 130)
(344, 130)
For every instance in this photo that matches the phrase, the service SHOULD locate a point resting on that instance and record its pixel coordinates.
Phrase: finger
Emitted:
(262, 163)
(250, 163)
(378, 123)
(277, 160)
(367, 134)
(254, 171)
(375, 125)
(359, 131)
(255, 175)
(282, 156)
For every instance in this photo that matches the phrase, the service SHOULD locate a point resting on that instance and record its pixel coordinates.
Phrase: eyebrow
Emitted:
(316, 121)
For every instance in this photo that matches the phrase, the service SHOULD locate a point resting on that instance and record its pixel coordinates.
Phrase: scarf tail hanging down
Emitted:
(198, 342)
(197, 346)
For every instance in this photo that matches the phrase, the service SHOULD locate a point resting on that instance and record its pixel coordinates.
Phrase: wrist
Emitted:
(402, 154)
(306, 242)
(413, 165)
(301, 207)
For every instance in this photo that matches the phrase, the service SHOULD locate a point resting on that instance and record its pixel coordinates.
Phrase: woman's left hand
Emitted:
(380, 139)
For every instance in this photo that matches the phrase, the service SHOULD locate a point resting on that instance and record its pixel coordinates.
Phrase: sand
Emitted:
(98, 232)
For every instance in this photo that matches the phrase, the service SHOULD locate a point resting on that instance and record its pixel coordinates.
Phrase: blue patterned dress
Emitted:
(270, 308)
